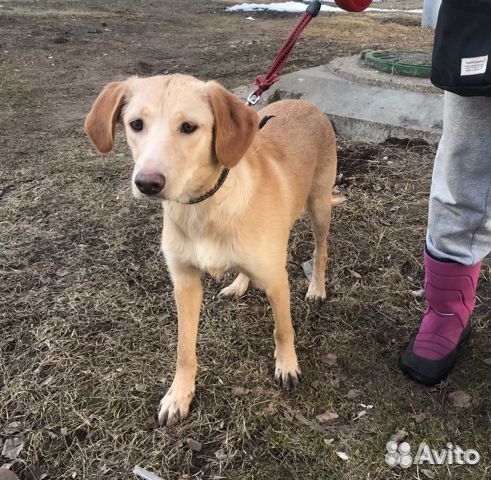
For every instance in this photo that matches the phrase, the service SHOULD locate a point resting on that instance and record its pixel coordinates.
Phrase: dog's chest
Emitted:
(212, 256)
(210, 252)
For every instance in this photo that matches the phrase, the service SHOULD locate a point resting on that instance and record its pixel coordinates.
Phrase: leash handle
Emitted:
(264, 82)
(314, 8)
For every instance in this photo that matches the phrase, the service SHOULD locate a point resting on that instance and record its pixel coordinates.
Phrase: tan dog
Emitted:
(184, 135)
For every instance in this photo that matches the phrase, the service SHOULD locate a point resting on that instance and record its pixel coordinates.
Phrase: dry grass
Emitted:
(87, 322)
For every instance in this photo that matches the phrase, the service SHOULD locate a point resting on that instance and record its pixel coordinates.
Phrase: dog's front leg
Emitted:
(188, 293)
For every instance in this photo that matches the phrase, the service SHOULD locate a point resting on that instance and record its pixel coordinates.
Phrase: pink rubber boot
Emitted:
(450, 291)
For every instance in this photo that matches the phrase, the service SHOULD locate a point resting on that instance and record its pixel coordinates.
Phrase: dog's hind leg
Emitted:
(319, 204)
(237, 288)
(274, 281)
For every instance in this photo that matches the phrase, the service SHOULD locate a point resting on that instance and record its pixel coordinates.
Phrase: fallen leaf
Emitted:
(428, 473)
(139, 387)
(335, 381)
(271, 409)
(487, 361)
(62, 272)
(63, 430)
(13, 446)
(194, 444)
(326, 417)
(342, 456)
(33, 473)
(417, 293)
(419, 417)
(221, 455)
(316, 384)
(309, 423)
(355, 274)
(105, 469)
(288, 416)
(460, 399)
(48, 381)
(253, 308)
(352, 394)
(328, 441)
(7, 475)
(360, 414)
(398, 436)
(12, 428)
(150, 422)
(142, 473)
(240, 391)
(329, 359)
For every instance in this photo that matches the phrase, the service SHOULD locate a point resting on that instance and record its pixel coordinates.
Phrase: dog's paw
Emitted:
(174, 406)
(316, 293)
(287, 376)
(237, 288)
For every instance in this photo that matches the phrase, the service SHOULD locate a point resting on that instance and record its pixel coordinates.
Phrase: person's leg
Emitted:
(459, 217)
(458, 237)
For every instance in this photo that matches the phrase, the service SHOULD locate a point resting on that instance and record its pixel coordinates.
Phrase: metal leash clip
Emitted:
(252, 99)
(264, 82)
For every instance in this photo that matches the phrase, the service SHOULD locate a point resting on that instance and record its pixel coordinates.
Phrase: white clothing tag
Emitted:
(473, 66)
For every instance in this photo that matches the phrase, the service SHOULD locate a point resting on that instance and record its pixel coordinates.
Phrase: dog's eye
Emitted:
(137, 125)
(187, 127)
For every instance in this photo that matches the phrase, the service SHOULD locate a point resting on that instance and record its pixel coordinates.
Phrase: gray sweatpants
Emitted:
(459, 217)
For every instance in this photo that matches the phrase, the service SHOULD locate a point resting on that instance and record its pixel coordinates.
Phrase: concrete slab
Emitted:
(365, 105)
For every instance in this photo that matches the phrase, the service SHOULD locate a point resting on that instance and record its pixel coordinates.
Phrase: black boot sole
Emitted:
(435, 371)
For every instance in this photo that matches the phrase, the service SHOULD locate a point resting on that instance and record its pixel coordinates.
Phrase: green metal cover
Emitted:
(411, 64)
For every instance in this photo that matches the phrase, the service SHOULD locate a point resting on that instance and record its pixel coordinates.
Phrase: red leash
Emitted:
(263, 82)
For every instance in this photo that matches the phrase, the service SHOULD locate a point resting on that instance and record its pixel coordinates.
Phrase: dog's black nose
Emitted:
(150, 183)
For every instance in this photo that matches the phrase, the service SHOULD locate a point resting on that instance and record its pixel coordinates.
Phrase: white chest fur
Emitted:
(208, 250)
(211, 256)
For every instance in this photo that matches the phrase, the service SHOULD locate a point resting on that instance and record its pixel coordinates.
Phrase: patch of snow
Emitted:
(297, 7)
(332, 1)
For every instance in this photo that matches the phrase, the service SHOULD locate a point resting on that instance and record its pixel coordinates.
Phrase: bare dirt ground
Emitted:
(87, 321)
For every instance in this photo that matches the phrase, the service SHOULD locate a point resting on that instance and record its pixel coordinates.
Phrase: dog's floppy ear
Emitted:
(235, 125)
(100, 123)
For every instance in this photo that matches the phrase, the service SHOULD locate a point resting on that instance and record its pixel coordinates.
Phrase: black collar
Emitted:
(223, 175)
(208, 194)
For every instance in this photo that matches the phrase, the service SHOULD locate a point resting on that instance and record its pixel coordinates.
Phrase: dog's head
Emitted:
(179, 129)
